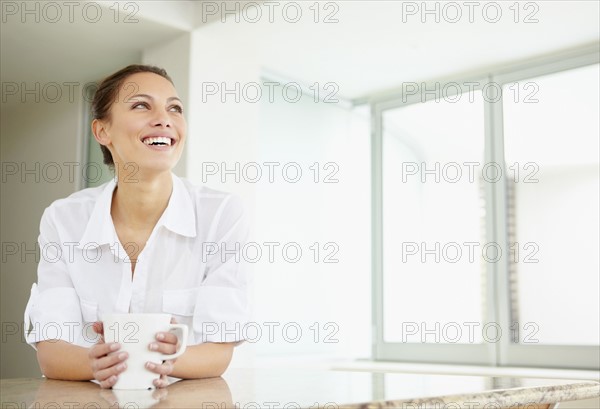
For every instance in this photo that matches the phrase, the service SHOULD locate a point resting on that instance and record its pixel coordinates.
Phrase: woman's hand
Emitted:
(166, 343)
(106, 368)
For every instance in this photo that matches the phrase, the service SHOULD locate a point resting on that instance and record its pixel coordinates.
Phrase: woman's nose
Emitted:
(161, 119)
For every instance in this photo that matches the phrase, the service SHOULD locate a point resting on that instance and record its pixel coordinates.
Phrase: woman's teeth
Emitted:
(159, 140)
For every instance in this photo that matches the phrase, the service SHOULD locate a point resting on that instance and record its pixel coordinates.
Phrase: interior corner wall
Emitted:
(38, 143)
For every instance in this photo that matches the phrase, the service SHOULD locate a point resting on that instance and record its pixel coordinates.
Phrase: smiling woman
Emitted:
(121, 109)
(136, 245)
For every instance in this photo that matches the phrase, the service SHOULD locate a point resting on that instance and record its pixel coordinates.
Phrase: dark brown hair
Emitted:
(107, 93)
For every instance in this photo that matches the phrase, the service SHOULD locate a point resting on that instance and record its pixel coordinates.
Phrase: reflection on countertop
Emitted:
(302, 388)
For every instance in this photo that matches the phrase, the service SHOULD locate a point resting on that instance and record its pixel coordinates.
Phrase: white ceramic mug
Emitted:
(135, 332)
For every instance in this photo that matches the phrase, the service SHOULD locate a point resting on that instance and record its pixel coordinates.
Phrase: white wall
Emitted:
(233, 132)
(325, 212)
(222, 132)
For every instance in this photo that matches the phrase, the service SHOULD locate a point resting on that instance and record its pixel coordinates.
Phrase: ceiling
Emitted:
(79, 51)
(374, 45)
(371, 49)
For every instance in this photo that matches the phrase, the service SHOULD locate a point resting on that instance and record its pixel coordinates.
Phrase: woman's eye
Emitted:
(137, 104)
(177, 108)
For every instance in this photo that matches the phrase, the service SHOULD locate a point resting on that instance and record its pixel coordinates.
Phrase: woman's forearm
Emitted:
(63, 360)
(205, 360)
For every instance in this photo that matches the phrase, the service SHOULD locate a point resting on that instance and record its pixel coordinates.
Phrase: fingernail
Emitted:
(120, 367)
(150, 365)
(114, 347)
(160, 336)
(122, 355)
(153, 347)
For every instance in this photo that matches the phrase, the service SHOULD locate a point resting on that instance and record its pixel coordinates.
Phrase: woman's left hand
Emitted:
(166, 343)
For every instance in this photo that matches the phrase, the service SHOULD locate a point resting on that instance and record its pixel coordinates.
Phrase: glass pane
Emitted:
(551, 138)
(433, 221)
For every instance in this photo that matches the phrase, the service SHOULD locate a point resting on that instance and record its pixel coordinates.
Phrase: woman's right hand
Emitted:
(106, 368)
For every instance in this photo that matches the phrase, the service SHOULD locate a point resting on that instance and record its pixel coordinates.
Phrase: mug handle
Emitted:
(183, 341)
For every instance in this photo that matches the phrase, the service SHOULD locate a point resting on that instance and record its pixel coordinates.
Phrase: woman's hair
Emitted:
(107, 93)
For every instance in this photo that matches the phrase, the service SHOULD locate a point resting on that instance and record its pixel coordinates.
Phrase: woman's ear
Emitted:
(100, 132)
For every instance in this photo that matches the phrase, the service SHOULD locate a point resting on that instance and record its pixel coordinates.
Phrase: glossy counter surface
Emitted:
(298, 388)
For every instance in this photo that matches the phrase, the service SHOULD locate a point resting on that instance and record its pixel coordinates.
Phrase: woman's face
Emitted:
(147, 130)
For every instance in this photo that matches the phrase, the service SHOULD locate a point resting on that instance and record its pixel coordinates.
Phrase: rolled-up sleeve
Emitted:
(53, 311)
(222, 308)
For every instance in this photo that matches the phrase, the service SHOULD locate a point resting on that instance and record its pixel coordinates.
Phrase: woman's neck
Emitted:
(139, 202)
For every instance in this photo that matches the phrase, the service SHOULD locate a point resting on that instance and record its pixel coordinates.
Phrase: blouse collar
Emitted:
(179, 216)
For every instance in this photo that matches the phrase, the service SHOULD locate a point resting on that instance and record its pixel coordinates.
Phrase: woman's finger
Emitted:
(167, 337)
(108, 383)
(108, 361)
(101, 349)
(162, 382)
(163, 348)
(163, 369)
(166, 343)
(113, 371)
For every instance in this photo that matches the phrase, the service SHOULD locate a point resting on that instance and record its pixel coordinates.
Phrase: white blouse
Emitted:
(190, 267)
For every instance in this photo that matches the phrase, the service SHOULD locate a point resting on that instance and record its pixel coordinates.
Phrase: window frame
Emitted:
(504, 352)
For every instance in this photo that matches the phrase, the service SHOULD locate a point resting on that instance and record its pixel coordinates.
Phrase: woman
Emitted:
(147, 241)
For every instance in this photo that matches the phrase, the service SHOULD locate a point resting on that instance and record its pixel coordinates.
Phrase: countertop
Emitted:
(299, 388)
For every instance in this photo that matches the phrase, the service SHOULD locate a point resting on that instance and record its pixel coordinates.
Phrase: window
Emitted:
(530, 294)
(551, 150)
(433, 220)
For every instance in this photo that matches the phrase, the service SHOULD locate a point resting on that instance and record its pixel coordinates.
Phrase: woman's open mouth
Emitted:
(160, 143)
